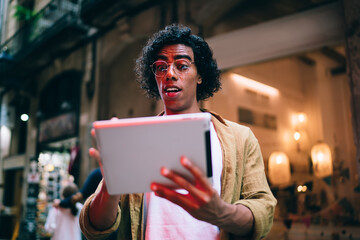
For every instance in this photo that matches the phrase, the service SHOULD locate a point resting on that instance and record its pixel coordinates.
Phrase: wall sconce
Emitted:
(279, 168)
(299, 119)
(321, 159)
(297, 136)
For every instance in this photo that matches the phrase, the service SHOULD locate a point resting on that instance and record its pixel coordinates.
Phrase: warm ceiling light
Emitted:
(279, 168)
(322, 160)
(254, 85)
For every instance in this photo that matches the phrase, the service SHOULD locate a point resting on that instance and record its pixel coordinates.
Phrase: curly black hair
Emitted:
(177, 34)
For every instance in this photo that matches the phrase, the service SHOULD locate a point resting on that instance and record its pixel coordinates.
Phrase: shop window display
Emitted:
(54, 175)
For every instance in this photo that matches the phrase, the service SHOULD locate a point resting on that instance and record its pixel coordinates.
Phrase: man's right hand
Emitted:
(103, 207)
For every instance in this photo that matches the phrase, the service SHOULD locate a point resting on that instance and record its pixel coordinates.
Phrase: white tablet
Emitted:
(133, 150)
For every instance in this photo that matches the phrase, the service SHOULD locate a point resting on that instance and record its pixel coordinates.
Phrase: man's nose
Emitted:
(171, 72)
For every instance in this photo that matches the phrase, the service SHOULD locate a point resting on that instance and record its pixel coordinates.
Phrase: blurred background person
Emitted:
(63, 223)
(88, 188)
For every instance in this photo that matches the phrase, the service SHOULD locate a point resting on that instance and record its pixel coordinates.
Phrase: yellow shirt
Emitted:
(243, 181)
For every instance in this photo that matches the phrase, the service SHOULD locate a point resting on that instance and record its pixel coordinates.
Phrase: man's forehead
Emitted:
(176, 51)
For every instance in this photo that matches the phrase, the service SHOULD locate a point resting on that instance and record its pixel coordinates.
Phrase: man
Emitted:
(178, 67)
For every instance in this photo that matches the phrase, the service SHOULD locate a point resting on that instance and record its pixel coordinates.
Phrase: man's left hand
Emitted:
(202, 201)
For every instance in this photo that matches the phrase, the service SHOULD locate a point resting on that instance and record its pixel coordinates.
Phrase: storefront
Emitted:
(13, 122)
(57, 161)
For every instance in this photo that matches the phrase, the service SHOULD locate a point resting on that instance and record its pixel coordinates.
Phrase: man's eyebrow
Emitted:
(162, 57)
(183, 56)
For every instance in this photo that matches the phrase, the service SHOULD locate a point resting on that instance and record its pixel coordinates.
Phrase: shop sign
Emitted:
(58, 127)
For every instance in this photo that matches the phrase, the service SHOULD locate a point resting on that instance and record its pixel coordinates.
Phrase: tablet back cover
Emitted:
(134, 150)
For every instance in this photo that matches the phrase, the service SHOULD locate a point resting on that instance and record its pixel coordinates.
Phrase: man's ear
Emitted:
(199, 81)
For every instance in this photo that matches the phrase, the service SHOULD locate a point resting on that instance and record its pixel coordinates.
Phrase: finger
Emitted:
(174, 197)
(93, 132)
(198, 194)
(196, 172)
(94, 153)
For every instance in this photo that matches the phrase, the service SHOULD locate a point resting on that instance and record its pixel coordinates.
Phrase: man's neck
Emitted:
(171, 112)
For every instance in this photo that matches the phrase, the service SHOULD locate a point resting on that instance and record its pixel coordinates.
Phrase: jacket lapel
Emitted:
(228, 146)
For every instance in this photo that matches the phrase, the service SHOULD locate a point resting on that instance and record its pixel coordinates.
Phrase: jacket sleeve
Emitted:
(255, 193)
(87, 229)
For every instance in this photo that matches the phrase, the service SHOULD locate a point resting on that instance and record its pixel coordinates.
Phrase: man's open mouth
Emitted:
(172, 89)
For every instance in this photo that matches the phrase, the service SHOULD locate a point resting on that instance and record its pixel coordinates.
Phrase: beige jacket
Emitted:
(243, 181)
